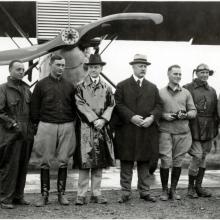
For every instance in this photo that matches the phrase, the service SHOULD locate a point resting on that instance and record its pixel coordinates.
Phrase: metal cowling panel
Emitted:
(53, 16)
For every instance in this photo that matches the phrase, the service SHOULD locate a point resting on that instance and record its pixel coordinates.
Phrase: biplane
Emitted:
(70, 27)
(86, 23)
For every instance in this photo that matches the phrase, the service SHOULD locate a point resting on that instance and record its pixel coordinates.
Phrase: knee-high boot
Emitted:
(175, 175)
(45, 187)
(164, 176)
(191, 187)
(199, 189)
(61, 186)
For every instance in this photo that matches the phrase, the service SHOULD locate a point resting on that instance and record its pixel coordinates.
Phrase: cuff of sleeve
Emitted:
(93, 119)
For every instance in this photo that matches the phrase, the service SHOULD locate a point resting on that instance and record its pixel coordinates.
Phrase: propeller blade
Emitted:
(65, 38)
(111, 24)
(118, 23)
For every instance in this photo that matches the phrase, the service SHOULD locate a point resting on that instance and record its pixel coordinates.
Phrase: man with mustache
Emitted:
(138, 108)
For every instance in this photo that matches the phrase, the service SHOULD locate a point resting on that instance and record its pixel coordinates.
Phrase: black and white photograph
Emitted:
(109, 109)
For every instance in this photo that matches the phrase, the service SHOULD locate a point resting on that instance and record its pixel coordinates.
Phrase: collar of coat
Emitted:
(55, 79)
(88, 81)
(134, 83)
(199, 83)
(13, 83)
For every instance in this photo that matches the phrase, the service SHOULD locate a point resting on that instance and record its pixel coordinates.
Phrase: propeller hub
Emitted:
(69, 36)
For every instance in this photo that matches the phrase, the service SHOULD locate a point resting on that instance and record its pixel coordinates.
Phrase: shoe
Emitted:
(62, 199)
(42, 201)
(174, 195)
(7, 206)
(164, 195)
(124, 198)
(98, 199)
(21, 201)
(202, 192)
(191, 193)
(148, 198)
(80, 200)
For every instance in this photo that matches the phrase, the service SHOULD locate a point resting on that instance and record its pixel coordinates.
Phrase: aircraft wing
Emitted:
(118, 24)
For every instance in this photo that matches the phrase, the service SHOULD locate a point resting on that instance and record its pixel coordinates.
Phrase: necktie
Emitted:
(94, 83)
(139, 83)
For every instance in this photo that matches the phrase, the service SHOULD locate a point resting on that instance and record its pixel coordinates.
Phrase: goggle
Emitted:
(210, 71)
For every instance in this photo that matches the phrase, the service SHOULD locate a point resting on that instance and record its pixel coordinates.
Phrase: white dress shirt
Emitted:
(140, 79)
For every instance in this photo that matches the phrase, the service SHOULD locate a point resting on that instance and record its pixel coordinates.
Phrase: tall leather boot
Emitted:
(191, 188)
(61, 186)
(164, 176)
(175, 175)
(45, 187)
(201, 192)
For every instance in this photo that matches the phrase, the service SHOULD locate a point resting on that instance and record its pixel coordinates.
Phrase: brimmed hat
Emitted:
(139, 58)
(202, 67)
(95, 59)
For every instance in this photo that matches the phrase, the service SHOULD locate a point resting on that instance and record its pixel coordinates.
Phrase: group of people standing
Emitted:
(139, 123)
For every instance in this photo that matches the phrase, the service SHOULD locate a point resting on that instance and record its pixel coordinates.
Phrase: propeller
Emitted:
(71, 37)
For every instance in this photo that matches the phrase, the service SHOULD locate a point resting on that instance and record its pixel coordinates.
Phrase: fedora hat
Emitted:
(95, 59)
(202, 67)
(139, 58)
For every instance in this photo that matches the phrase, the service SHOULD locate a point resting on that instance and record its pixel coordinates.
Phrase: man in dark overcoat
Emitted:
(203, 128)
(16, 136)
(138, 107)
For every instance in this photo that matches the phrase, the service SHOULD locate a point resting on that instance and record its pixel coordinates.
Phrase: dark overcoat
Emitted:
(135, 143)
(205, 126)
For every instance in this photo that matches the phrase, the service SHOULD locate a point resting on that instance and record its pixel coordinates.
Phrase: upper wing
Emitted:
(120, 24)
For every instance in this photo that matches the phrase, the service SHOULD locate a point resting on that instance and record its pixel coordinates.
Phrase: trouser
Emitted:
(55, 140)
(198, 151)
(83, 182)
(14, 170)
(143, 177)
(173, 148)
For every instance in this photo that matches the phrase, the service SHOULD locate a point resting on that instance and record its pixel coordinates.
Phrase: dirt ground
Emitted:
(202, 208)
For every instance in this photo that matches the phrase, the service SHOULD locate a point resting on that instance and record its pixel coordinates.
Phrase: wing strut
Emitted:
(15, 24)
(102, 74)
(7, 35)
